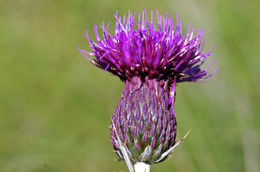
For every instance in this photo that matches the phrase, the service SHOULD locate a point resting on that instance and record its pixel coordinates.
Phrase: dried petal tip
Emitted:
(144, 49)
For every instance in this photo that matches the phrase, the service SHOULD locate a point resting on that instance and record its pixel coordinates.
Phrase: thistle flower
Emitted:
(150, 59)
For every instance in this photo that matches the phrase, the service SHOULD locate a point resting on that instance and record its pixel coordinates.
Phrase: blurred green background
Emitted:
(55, 107)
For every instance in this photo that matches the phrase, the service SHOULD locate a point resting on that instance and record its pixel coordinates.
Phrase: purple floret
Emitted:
(141, 48)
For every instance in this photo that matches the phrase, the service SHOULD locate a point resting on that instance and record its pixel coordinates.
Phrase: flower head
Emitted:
(141, 48)
(150, 58)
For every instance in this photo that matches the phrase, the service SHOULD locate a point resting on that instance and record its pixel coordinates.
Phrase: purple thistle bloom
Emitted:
(150, 59)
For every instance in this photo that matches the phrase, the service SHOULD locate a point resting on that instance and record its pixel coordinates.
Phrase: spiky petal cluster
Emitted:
(141, 48)
(150, 58)
(144, 120)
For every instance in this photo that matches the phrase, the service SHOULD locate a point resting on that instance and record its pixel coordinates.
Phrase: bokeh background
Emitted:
(55, 107)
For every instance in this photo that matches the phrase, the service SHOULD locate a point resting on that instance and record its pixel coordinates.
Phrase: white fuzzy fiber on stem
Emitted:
(142, 167)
